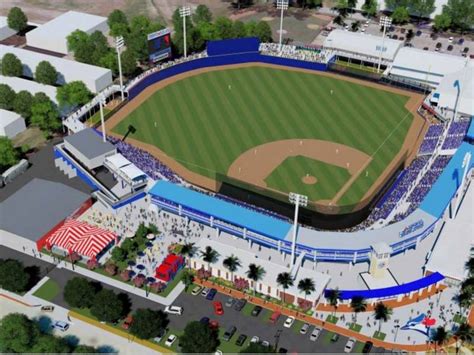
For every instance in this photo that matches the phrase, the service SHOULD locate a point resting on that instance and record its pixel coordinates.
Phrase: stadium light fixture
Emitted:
(102, 120)
(282, 5)
(298, 200)
(119, 43)
(385, 21)
(184, 12)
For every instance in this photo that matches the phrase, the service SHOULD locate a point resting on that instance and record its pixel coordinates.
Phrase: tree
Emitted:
(79, 293)
(99, 46)
(84, 349)
(45, 116)
(136, 38)
(440, 336)
(207, 31)
(382, 313)
(250, 28)
(13, 276)
(17, 19)
(391, 5)
(188, 250)
(358, 304)
(118, 23)
(148, 323)
(17, 333)
(118, 254)
(74, 93)
(210, 256)
(187, 278)
(284, 280)
(107, 306)
(441, 22)
(422, 8)
(129, 62)
(461, 13)
(333, 296)
(22, 104)
(231, 263)
(7, 97)
(255, 273)
(202, 15)
(11, 65)
(465, 332)
(50, 344)
(306, 286)
(257, 348)
(224, 28)
(198, 338)
(76, 39)
(464, 300)
(263, 31)
(45, 73)
(40, 97)
(400, 15)
(238, 29)
(8, 157)
(342, 7)
(370, 7)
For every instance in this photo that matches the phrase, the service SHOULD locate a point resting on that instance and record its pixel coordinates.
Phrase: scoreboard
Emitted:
(159, 45)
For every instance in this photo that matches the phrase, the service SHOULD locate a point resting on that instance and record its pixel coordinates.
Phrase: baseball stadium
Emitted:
(258, 131)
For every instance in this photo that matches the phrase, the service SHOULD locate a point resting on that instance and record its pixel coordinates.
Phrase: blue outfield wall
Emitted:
(233, 46)
(217, 61)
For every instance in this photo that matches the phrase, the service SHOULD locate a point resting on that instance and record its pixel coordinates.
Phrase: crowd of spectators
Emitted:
(293, 52)
(456, 134)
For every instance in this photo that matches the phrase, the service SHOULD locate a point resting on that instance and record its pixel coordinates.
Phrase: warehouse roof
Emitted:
(33, 87)
(7, 117)
(362, 44)
(5, 31)
(89, 143)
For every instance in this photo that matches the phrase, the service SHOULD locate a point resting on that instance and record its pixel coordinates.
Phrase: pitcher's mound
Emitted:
(309, 180)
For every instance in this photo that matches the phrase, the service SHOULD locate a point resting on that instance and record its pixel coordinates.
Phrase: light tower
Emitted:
(282, 5)
(119, 42)
(385, 21)
(298, 200)
(102, 120)
(184, 12)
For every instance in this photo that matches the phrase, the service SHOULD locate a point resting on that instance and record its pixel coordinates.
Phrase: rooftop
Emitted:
(7, 117)
(89, 143)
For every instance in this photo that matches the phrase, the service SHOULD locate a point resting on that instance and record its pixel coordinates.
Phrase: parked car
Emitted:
(241, 340)
(196, 290)
(204, 320)
(461, 41)
(205, 291)
(213, 324)
(60, 325)
(218, 308)
(240, 304)
(256, 311)
(274, 317)
(304, 328)
(229, 333)
(171, 339)
(450, 48)
(367, 347)
(212, 293)
(218, 352)
(177, 310)
(282, 350)
(315, 334)
(335, 337)
(266, 344)
(47, 308)
(127, 322)
(230, 302)
(255, 339)
(289, 322)
(450, 39)
(160, 336)
(349, 345)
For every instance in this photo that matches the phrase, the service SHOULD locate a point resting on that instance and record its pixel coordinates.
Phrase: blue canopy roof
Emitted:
(447, 184)
(470, 131)
(391, 291)
(225, 211)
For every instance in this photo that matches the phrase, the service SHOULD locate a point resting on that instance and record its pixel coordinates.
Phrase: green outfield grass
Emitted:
(205, 122)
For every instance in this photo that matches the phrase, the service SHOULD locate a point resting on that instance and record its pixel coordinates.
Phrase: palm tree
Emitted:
(333, 296)
(187, 278)
(465, 332)
(255, 273)
(210, 256)
(439, 337)
(188, 250)
(470, 266)
(306, 286)
(285, 280)
(382, 313)
(231, 263)
(358, 304)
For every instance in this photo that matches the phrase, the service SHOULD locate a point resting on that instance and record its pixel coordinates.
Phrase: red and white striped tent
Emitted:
(81, 238)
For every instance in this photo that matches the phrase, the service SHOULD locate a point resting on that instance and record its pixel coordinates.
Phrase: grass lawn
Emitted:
(296, 327)
(174, 347)
(287, 177)
(265, 315)
(459, 319)
(228, 112)
(171, 285)
(327, 337)
(332, 319)
(355, 327)
(379, 335)
(247, 310)
(95, 118)
(357, 66)
(48, 291)
(229, 346)
(358, 347)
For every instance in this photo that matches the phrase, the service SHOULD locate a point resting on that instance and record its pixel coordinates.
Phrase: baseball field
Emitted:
(328, 137)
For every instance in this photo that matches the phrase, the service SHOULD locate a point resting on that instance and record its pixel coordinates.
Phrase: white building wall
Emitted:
(5, 31)
(11, 123)
(33, 87)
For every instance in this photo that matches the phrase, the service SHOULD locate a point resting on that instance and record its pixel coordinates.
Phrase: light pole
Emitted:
(119, 42)
(298, 200)
(396, 333)
(184, 12)
(102, 120)
(385, 21)
(281, 5)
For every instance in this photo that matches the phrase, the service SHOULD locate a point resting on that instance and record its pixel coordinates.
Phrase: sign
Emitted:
(159, 45)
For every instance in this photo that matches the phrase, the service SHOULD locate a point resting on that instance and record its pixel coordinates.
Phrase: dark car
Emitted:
(241, 340)
(229, 333)
(418, 33)
(240, 304)
(367, 347)
(335, 337)
(282, 351)
(256, 311)
(204, 320)
(450, 48)
(461, 41)
(212, 293)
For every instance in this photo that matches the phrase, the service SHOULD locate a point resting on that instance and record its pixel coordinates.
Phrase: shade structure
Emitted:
(81, 237)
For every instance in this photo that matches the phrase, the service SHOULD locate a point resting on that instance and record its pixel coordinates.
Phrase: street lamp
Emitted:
(298, 200)
(385, 21)
(396, 332)
(184, 12)
(102, 120)
(119, 43)
(281, 5)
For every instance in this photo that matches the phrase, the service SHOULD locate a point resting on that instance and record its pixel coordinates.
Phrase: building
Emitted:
(11, 123)
(52, 36)
(95, 78)
(381, 6)
(33, 87)
(5, 31)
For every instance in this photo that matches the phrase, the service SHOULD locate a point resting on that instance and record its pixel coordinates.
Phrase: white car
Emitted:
(196, 290)
(174, 310)
(205, 291)
(171, 339)
(450, 39)
(255, 339)
(349, 345)
(265, 344)
(289, 322)
(218, 352)
(315, 334)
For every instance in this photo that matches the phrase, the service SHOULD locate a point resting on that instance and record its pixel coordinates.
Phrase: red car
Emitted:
(127, 322)
(218, 309)
(214, 325)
